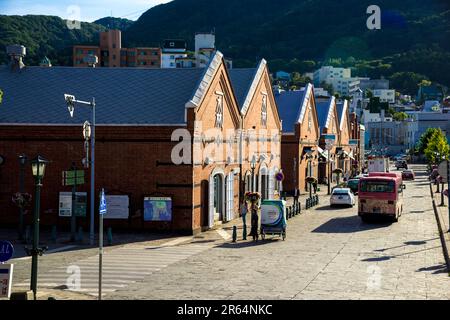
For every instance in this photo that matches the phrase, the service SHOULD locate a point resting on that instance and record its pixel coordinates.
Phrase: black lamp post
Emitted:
(38, 165)
(22, 161)
(253, 167)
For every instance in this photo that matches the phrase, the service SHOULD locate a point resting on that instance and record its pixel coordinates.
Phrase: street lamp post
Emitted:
(38, 167)
(70, 100)
(253, 167)
(22, 162)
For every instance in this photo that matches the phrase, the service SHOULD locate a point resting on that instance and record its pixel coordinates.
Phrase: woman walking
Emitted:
(254, 229)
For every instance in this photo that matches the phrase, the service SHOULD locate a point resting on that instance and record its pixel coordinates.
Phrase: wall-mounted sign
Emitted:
(118, 207)
(6, 274)
(157, 209)
(6, 251)
(65, 204)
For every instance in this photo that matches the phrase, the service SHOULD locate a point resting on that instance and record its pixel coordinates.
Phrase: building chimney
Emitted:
(16, 53)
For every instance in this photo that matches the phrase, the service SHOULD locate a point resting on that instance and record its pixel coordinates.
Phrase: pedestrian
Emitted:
(254, 229)
(244, 211)
(315, 186)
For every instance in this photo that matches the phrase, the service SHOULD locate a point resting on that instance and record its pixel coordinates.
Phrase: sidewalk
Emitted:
(443, 216)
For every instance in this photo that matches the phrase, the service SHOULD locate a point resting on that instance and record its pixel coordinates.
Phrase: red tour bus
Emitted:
(380, 194)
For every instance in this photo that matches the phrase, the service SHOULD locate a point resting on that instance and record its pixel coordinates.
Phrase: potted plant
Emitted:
(338, 172)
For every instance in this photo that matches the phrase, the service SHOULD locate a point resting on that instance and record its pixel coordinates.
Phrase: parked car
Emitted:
(352, 184)
(408, 174)
(401, 164)
(342, 196)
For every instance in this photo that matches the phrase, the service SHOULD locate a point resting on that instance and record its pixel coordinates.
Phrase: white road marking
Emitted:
(122, 266)
(225, 235)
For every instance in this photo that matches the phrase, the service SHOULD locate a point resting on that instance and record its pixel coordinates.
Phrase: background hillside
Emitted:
(293, 35)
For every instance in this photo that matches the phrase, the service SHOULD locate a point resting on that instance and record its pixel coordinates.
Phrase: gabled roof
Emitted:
(245, 82)
(342, 109)
(124, 96)
(292, 106)
(325, 109)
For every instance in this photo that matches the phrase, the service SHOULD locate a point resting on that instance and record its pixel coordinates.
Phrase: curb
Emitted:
(441, 232)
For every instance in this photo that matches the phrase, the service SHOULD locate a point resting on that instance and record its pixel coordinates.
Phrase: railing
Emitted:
(312, 201)
(293, 210)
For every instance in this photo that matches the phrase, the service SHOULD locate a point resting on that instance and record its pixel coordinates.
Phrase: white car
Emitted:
(342, 196)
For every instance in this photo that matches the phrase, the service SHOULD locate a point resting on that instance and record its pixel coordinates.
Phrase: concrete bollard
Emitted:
(80, 235)
(234, 233)
(110, 237)
(54, 236)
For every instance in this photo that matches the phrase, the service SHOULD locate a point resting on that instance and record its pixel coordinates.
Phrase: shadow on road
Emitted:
(239, 245)
(348, 225)
(440, 268)
(329, 208)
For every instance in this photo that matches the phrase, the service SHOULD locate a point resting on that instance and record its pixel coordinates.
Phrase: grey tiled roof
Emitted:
(123, 95)
(323, 109)
(289, 104)
(241, 80)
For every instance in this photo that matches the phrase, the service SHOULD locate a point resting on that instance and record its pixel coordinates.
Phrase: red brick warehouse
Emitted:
(137, 112)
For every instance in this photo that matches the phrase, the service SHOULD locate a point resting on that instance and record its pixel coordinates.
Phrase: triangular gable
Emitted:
(312, 100)
(306, 98)
(261, 74)
(216, 64)
(336, 122)
(344, 121)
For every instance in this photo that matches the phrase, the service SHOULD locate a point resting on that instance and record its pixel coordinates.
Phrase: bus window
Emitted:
(377, 186)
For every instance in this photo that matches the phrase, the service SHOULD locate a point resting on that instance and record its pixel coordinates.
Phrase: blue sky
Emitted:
(89, 10)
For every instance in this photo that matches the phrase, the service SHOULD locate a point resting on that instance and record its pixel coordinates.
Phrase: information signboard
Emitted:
(65, 204)
(157, 209)
(6, 274)
(118, 207)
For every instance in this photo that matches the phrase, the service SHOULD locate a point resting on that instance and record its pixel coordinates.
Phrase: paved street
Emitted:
(328, 254)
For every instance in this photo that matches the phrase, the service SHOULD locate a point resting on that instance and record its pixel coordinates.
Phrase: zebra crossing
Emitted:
(121, 267)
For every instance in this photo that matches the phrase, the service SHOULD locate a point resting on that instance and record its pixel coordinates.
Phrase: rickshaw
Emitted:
(273, 218)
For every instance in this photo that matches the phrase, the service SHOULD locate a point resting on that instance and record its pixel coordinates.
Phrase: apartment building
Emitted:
(110, 53)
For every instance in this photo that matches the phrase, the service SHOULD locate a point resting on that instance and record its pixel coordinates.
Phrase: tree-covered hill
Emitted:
(44, 36)
(114, 23)
(293, 35)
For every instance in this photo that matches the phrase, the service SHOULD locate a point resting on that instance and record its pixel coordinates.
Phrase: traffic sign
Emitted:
(102, 202)
(6, 251)
(68, 177)
(443, 171)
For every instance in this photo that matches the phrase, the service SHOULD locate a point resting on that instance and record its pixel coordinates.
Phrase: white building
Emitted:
(329, 72)
(339, 78)
(173, 50)
(321, 92)
(205, 46)
(385, 95)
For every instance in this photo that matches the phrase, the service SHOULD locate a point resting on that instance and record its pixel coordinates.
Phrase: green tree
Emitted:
(424, 139)
(407, 82)
(327, 87)
(1, 95)
(400, 116)
(437, 148)
(368, 93)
